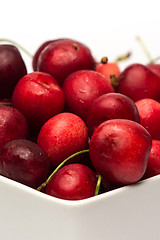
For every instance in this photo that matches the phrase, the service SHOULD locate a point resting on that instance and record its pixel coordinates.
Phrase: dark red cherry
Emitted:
(12, 68)
(25, 162)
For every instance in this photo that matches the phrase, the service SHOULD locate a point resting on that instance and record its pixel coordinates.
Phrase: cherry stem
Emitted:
(6, 103)
(17, 45)
(145, 49)
(123, 57)
(104, 60)
(154, 60)
(114, 80)
(44, 184)
(98, 185)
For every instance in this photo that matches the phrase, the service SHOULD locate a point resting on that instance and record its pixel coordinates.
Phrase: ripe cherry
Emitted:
(138, 82)
(119, 150)
(12, 68)
(61, 136)
(64, 56)
(25, 162)
(39, 97)
(73, 182)
(149, 111)
(111, 106)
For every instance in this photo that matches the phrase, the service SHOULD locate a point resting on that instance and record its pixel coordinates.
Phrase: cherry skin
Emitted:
(39, 97)
(108, 69)
(63, 135)
(138, 82)
(154, 67)
(13, 125)
(153, 166)
(64, 56)
(119, 150)
(25, 162)
(81, 88)
(72, 182)
(12, 68)
(149, 111)
(111, 106)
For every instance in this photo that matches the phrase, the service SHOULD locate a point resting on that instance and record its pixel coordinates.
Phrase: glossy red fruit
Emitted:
(154, 67)
(138, 82)
(81, 88)
(149, 111)
(25, 162)
(13, 125)
(12, 68)
(111, 106)
(119, 150)
(108, 69)
(39, 97)
(72, 182)
(63, 135)
(153, 166)
(64, 56)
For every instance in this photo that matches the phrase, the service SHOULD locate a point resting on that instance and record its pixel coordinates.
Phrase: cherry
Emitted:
(138, 82)
(61, 136)
(12, 68)
(149, 111)
(111, 106)
(64, 56)
(13, 125)
(39, 97)
(119, 150)
(108, 69)
(72, 182)
(25, 162)
(81, 88)
(153, 166)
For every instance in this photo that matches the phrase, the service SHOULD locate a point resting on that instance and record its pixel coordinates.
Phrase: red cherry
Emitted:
(138, 82)
(108, 69)
(81, 88)
(119, 150)
(149, 111)
(153, 166)
(13, 125)
(72, 182)
(64, 56)
(61, 136)
(39, 97)
(111, 106)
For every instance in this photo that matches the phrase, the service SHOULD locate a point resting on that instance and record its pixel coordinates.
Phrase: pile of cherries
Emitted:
(74, 127)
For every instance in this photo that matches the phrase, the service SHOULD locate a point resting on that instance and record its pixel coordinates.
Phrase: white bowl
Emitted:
(127, 213)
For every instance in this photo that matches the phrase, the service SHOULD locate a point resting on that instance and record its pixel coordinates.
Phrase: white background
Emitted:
(109, 28)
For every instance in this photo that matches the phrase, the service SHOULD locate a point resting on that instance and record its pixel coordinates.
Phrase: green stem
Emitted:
(145, 49)
(154, 60)
(17, 45)
(6, 103)
(123, 57)
(98, 185)
(59, 166)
